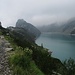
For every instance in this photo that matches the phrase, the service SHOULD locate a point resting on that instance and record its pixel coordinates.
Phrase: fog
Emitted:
(37, 12)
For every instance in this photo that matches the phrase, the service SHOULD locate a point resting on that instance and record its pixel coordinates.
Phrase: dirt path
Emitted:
(4, 67)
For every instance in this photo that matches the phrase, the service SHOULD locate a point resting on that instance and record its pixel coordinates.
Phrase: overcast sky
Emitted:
(37, 12)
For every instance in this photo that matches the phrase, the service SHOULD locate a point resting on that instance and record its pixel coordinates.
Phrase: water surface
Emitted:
(62, 46)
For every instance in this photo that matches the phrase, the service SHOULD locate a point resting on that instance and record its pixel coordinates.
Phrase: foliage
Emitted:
(22, 63)
(42, 58)
(21, 58)
(21, 40)
(29, 59)
(70, 65)
(40, 55)
(0, 33)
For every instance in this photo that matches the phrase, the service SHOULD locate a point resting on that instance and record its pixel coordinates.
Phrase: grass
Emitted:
(35, 69)
(21, 61)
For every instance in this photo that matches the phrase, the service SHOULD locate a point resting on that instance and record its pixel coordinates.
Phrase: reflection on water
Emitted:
(62, 46)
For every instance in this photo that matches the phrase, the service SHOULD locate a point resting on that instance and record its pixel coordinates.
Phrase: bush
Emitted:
(70, 65)
(22, 63)
(21, 58)
(42, 58)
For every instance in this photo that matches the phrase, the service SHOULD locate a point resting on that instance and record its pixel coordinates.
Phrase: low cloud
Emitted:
(37, 12)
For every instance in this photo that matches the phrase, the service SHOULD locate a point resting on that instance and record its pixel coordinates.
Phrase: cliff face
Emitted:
(28, 27)
(25, 31)
(1, 26)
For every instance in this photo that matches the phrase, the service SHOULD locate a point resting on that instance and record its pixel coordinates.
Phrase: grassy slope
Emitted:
(32, 69)
(45, 64)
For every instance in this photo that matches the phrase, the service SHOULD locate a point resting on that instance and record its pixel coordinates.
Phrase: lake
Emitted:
(61, 45)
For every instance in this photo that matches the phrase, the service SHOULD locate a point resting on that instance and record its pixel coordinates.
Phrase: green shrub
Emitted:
(22, 63)
(42, 58)
(18, 71)
(0, 32)
(70, 65)
(21, 58)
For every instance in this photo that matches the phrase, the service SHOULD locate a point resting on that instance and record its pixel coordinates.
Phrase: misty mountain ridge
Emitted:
(27, 26)
(66, 27)
(25, 31)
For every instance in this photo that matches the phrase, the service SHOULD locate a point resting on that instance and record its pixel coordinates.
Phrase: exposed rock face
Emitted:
(24, 32)
(0, 26)
(28, 27)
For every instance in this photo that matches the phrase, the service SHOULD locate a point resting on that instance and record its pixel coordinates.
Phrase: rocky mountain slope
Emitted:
(49, 28)
(28, 27)
(66, 27)
(24, 31)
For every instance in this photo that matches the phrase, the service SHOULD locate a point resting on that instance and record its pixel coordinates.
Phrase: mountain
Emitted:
(26, 52)
(24, 32)
(49, 28)
(66, 27)
(69, 26)
(73, 32)
(29, 27)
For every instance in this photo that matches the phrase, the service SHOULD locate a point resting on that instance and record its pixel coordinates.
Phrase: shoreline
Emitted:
(57, 33)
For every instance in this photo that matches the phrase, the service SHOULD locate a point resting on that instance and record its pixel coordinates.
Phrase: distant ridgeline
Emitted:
(66, 27)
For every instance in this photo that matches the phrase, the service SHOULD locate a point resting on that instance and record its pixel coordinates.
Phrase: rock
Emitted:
(1, 26)
(7, 45)
(2, 37)
(4, 66)
(0, 66)
(29, 27)
(8, 49)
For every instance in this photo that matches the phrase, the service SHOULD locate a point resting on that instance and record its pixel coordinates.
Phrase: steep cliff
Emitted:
(28, 27)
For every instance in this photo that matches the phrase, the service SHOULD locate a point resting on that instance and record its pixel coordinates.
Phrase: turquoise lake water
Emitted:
(62, 46)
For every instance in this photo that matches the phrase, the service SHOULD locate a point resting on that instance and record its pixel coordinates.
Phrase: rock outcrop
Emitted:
(24, 31)
(28, 27)
(1, 26)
